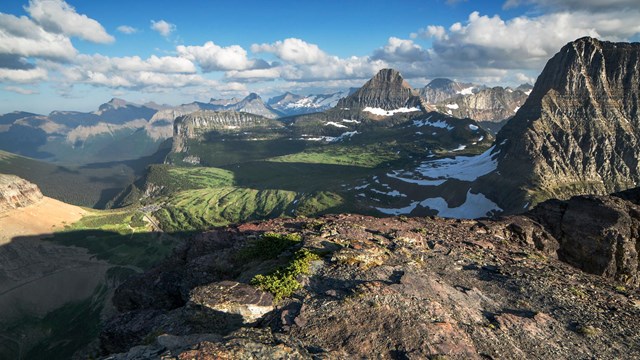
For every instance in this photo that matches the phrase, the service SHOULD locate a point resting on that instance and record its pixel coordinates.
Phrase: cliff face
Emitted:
(579, 130)
(197, 124)
(16, 192)
(396, 287)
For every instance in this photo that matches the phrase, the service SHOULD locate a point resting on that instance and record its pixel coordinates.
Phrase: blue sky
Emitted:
(77, 54)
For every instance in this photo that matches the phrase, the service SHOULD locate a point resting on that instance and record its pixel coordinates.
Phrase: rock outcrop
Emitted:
(577, 133)
(16, 192)
(411, 288)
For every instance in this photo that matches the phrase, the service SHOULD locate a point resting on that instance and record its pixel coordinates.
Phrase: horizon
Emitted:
(74, 56)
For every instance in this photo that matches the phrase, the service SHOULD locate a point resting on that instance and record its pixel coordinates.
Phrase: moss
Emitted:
(283, 282)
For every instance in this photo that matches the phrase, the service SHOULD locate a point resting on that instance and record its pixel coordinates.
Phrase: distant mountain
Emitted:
(292, 104)
(489, 104)
(11, 117)
(118, 111)
(386, 91)
(441, 89)
(253, 104)
(579, 130)
(118, 130)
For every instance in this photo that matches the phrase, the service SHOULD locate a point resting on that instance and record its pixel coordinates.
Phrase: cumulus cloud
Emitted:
(126, 29)
(293, 50)
(19, 36)
(164, 64)
(489, 43)
(20, 90)
(212, 57)
(302, 61)
(56, 16)
(162, 27)
(401, 50)
(23, 76)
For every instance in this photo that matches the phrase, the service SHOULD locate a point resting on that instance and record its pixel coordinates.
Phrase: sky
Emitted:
(78, 54)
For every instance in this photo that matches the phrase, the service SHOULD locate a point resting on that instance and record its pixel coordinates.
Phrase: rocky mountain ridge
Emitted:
(579, 130)
(16, 192)
(396, 287)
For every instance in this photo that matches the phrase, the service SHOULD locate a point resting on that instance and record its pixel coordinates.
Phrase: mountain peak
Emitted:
(252, 96)
(579, 130)
(387, 90)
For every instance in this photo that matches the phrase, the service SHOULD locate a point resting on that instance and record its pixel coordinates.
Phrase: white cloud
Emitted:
(56, 16)
(126, 29)
(162, 27)
(20, 90)
(401, 50)
(23, 76)
(293, 50)
(212, 57)
(165, 64)
(19, 36)
(303, 61)
(526, 43)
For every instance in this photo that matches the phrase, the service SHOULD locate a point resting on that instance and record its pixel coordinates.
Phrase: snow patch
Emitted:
(422, 182)
(394, 193)
(383, 112)
(528, 92)
(442, 124)
(351, 121)
(466, 91)
(475, 206)
(453, 106)
(465, 168)
(460, 148)
(332, 123)
(516, 109)
(473, 127)
(400, 211)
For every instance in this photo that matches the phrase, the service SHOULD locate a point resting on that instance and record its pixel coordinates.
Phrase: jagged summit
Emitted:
(387, 90)
(579, 130)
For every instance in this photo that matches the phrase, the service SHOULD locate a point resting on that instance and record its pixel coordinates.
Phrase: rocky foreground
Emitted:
(351, 286)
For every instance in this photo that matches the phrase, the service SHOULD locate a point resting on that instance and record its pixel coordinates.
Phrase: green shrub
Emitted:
(283, 282)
